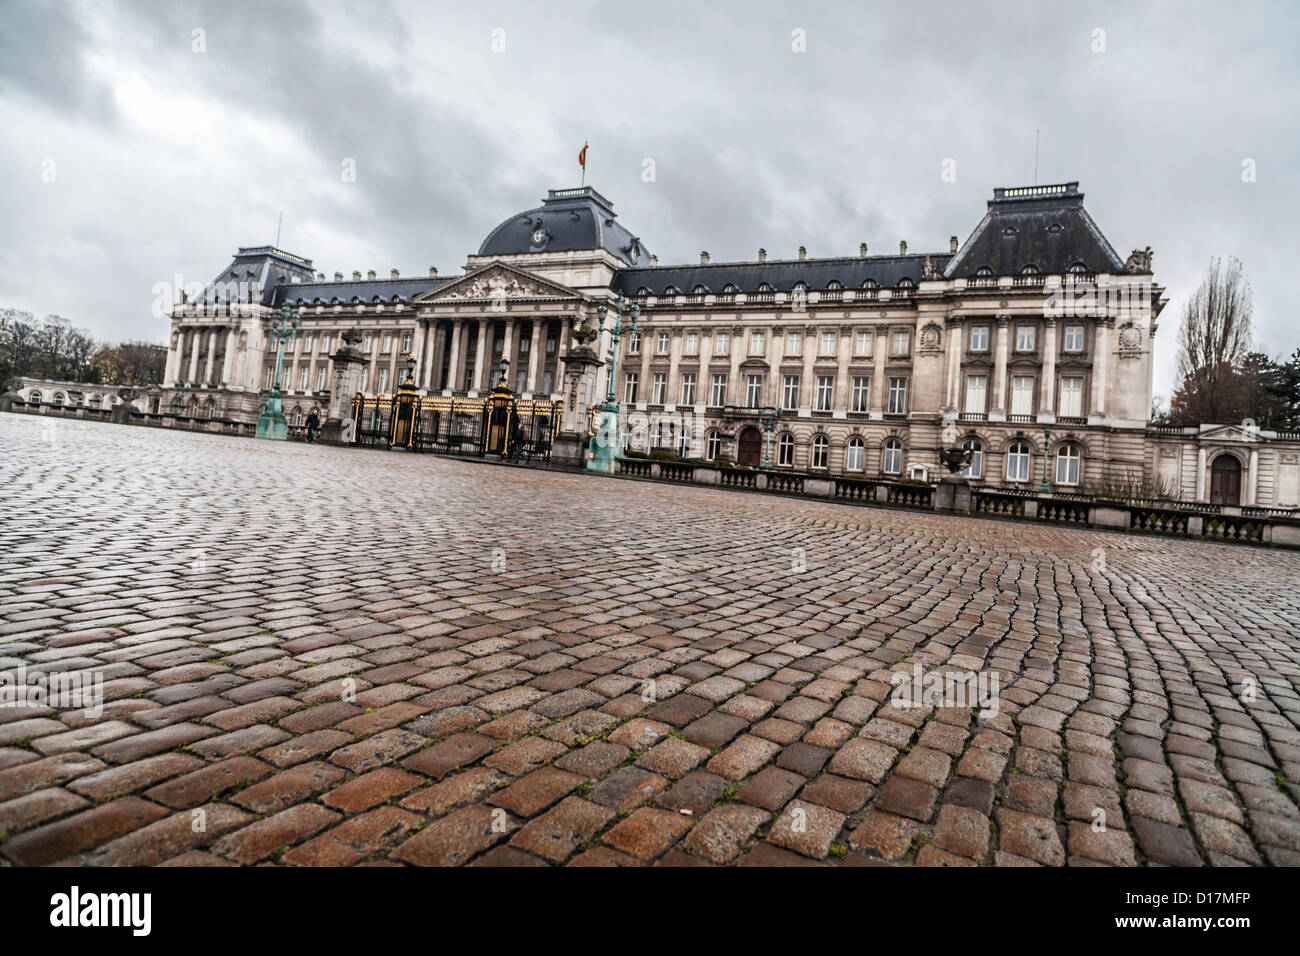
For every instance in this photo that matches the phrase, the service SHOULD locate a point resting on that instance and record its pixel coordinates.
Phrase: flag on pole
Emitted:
(582, 161)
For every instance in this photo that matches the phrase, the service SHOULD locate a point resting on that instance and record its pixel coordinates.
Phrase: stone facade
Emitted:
(1030, 344)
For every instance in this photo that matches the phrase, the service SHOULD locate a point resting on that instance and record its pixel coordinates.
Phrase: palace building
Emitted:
(1029, 345)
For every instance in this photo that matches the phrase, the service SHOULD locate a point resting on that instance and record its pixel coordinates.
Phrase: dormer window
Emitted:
(671, 290)
(728, 289)
(870, 284)
(642, 292)
(1078, 268)
(834, 285)
(984, 271)
(1029, 270)
(699, 290)
(764, 287)
(906, 283)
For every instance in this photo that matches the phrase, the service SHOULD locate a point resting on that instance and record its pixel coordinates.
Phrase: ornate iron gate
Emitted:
(499, 425)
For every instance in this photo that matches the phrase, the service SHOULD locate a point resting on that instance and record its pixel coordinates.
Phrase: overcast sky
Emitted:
(129, 156)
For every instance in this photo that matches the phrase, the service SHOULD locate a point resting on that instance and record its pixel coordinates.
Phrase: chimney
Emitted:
(370, 274)
(433, 272)
(952, 243)
(654, 260)
(393, 274)
(862, 248)
(803, 252)
(902, 248)
(320, 276)
(338, 277)
(356, 276)
(704, 258)
(762, 255)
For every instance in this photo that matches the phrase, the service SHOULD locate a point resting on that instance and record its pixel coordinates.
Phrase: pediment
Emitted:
(496, 281)
(1244, 433)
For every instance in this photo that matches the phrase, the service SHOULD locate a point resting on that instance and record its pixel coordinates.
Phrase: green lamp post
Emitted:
(607, 443)
(271, 423)
(769, 418)
(1047, 444)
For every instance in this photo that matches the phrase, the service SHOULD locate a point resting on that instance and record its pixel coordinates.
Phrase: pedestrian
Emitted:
(521, 436)
(313, 425)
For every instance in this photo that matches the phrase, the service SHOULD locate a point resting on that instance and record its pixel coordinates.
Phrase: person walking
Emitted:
(313, 425)
(521, 437)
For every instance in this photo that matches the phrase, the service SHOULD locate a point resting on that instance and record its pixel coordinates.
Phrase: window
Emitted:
(713, 447)
(320, 378)
(901, 343)
(897, 396)
(325, 343)
(368, 343)
(630, 382)
(1024, 338)
(526, 344)
(757, 343)
(34, 398)
(659, 388)
(825, 392)
(548, 381)
(718, 395)
(830, 344)
(785, 451)
(893, 462)
(856, 456)
(1022, 395)
(820, 451)
(633, 344)
(861, 393)
(1072, 396)
(297, 417)
(794, 343)
(383, 381)
(976, 390)
(1067, 465)
(388, 342)
(754, 391)
(306, 342)
(661, 343)
(302, 378)
(722, 343)
(521, 380)
(790, 393)
(979, 338)
(1074, 338)
(1018, 462)
(406, 343)
(688, 388)
(692, 343)
(975, 467)
(550, 345)
(862, 343)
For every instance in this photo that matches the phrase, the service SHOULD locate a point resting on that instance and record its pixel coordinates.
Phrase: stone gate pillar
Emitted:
(581, 365)
(349, 364)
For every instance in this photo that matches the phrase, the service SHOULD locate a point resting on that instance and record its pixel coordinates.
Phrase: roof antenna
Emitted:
(280, 222)
(1035, 157)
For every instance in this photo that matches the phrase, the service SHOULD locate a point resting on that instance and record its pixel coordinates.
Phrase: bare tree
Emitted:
(1213, 343)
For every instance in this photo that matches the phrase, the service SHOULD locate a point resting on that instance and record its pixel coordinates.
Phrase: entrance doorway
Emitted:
(1225, 481)
(749, 447)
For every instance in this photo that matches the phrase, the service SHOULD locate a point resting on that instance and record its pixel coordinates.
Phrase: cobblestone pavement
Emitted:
(314, 655)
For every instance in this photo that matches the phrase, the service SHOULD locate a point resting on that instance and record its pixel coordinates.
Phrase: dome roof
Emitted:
(567, 220)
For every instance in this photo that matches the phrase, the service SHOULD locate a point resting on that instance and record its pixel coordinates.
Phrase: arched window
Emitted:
(834, 285)
(58, 398)
(764, 287)
(976, 467)
(800, 288)
(1079, 268)
(893, 463)
(856, 457)
(785, 451)
(729, 289)
(713, 447)
(984, 271)
(33, 398)
(820, 451)
(297, 417)
(1029, 270)
(212, 409)
(1018, 462)
(699, 290)
(870, 284)
(642, 292)
(906, 283)
(1067, 464)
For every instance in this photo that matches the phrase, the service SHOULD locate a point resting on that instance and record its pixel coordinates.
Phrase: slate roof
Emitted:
(570, 219)
(782, 274)
(254, 274)
(1041, 226)
(367, 291)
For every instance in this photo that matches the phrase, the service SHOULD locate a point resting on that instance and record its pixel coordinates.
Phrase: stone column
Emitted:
(841, 400)
(1200, 474)
(956, 342)
(480, 353)
(346, 382)
(195, 338)
(228, 363)
(807, 379)
(457, 347)
(735, 379)
(535, 358)
(673, 395)
(879, 350)
(1252, 478)
(1099, 362)
(211, 336)
(999, 382)
(1048, 402)
(647, 343)
(508, 349)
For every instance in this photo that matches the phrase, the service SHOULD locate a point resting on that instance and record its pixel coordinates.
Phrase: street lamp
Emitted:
(769, 418)
(284, 329)
(607, 442)
(1047, 443)
(504, 365)
(410, 368)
